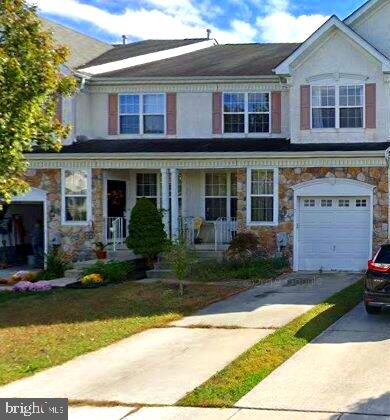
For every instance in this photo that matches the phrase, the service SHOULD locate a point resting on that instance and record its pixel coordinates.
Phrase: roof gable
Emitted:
(363, 10)
(333, 23)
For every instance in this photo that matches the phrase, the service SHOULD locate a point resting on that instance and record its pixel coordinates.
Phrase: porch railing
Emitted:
(224, 231)
(116, 231)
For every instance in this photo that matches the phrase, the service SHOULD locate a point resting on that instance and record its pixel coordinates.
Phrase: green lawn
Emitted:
(230, 384)
(42, 330)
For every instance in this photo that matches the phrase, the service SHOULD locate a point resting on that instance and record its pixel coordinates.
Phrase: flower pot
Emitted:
(101, 254)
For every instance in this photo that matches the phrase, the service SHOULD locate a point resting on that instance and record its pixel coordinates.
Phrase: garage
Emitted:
(332, 231)
(23, 231)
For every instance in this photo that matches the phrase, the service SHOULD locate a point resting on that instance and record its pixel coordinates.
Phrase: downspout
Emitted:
(387, 157)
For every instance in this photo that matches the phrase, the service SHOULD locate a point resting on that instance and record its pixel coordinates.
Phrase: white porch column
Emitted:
(165, 197)
(175, 203)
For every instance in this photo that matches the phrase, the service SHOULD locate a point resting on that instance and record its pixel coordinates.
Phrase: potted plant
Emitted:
(100, 250)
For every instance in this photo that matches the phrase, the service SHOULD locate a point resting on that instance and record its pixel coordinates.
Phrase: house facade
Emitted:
(287, 140)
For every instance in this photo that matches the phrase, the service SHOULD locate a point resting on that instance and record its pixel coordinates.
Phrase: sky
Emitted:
(231, 21)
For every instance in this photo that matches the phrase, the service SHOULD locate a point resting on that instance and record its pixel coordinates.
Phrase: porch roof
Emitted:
(211, 145)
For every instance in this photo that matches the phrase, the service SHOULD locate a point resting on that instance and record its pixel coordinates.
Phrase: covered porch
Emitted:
(199, 205)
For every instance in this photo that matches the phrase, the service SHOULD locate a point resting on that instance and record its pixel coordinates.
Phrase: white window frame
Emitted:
(158, 182)
(246, 113)
(249, 196)
(141, 114)
(88, 171)
(228, 196)
(337, 105)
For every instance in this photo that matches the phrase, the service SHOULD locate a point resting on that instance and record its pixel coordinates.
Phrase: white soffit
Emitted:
(148, 58)
(333, 22)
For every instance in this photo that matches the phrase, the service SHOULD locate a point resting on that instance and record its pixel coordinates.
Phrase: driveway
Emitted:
(160, 366)
(345, 370)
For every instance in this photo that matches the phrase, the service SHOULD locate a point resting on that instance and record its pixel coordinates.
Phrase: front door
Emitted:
(116, 201)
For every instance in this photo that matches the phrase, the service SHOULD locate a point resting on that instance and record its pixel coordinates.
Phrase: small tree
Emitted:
(147, 236)
(30, 84)
(181, 258)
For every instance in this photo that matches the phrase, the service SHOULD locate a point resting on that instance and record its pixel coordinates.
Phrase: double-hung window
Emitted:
(142, 114)
(246, 113)
(147, 186)
(220, 195)
(216, 196)
(351, 106)
(337, 106)
(323, 106)
(262, 190)
(76, 190)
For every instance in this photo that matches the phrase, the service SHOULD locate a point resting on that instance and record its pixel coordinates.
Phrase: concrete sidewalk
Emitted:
(190, 413)
(160, 366)
(346, 369)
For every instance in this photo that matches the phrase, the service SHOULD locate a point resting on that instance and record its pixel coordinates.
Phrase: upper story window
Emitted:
(142, 114)
(337, 106)
(246, 112)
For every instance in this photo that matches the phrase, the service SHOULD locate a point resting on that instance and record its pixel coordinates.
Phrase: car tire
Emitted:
(373, 309)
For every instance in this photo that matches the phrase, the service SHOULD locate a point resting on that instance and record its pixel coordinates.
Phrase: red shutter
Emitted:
(217, 113)
(305, 107)
(171, 113)
(112, 114)
(276, 103)
(59, 109)
(370, 105)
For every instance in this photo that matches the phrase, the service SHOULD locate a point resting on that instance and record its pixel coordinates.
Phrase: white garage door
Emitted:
(333, 233)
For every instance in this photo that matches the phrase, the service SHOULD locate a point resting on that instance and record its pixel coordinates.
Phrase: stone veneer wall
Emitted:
(76, 239)
(288, 177)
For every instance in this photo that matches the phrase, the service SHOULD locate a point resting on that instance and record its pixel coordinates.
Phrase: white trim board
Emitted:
(333, 23)
(365, 9)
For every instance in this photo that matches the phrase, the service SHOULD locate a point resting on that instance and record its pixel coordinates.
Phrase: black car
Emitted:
(377, 281)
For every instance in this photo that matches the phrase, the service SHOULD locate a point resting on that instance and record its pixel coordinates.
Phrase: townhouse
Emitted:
(287, 140)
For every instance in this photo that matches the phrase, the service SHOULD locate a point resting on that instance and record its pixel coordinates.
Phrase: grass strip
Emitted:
(229, 385)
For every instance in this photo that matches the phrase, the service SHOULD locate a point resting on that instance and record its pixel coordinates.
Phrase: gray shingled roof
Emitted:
(121, 52)
(83, 48)
(212, 145)
(219, 60)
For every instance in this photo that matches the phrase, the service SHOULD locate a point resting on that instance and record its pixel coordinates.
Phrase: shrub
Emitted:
(254, 269)
(181, 258)
(57, 262)
(147, 236)
(244, 246)
(112, 271)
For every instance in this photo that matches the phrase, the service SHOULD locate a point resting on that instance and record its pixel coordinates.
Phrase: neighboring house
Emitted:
(275, 138)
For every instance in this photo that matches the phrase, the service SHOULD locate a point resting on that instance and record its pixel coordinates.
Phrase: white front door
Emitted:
(333, 233)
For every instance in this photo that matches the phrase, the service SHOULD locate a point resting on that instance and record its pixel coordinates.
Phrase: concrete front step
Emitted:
(122, 255)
